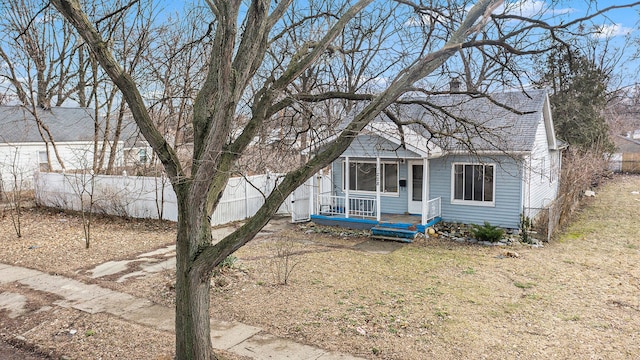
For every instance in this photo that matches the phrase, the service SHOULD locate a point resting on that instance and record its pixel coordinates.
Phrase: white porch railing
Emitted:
(362, 207)
(433, 209)
(358, 206)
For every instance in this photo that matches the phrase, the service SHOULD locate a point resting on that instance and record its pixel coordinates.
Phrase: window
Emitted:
(473, 182)
(362, 176)
(142, 156)
(43, 161)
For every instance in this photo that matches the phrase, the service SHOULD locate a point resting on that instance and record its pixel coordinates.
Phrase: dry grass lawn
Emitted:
(578, 297)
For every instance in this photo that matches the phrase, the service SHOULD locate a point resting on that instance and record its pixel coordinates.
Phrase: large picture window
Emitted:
(362, 176)
(473, 182)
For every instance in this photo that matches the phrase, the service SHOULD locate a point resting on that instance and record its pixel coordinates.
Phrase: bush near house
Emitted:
(487, 232)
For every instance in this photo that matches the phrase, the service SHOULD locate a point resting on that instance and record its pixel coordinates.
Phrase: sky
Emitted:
(616, 28)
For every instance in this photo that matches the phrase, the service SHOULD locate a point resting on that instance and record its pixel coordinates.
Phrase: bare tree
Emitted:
(39, 61)
(13, 180)
(245, 77)
(83, 186)
(47, 65)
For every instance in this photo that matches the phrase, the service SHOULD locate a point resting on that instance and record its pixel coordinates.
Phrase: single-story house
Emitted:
(459, 158)
(23, 149)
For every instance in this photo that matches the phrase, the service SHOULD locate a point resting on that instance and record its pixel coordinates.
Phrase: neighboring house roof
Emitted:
(626, 144)
(635, 134)
(460, 122)
(18, 125)
(130, 134)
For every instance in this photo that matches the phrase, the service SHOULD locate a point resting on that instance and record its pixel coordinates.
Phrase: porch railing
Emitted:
(433, 209)
(361, 207)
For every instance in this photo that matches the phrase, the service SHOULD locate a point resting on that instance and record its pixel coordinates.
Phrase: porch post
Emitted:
(311, 197)
(320, 191)
(378, 189)
(425, 190)
(346, 187)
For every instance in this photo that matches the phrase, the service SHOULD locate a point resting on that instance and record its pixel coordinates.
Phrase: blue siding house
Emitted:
(457, 158)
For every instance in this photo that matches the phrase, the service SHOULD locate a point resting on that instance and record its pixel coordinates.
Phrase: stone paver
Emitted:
(10, 274)
(151, 268)
(265, 346)
(225, 334)
(112, 302)
(13, 303)
(110, 268)
(166, 251)
(69, 289)
(160, 317)
(337, 356)
(148, 264)
(231, 336)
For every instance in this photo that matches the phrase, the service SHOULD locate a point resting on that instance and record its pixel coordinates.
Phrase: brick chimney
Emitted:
(454, 85)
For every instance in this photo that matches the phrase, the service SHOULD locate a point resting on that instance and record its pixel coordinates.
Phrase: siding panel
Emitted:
(542, 184)
(508, 190)
(370, 146)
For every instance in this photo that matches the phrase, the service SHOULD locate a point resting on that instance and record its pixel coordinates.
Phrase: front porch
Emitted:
(365, 213)
(388, 193)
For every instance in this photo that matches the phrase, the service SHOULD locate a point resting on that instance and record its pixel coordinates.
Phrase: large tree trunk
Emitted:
(234, 61)
(193, 340)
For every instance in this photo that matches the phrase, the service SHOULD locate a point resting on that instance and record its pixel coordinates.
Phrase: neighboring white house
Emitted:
(24, 151)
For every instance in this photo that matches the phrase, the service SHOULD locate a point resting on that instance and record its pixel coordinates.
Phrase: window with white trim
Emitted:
(362, 176)
(473, 182)
(142, 156)
(43, 161)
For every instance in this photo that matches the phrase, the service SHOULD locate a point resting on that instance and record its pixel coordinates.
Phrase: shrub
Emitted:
(525, 229)
(283, 262)
(228, 262)
(487, 232)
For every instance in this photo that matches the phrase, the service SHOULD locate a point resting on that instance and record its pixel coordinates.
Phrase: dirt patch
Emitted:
(20, 352)
(378, 246)
(575, 298)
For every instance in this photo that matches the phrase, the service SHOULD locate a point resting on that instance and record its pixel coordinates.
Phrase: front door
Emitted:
(416, 174)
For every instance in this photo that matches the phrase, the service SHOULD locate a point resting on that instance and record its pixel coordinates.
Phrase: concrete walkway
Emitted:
(235, 337)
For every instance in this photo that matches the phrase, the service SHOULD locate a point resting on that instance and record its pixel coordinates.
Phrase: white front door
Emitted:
(416, 174)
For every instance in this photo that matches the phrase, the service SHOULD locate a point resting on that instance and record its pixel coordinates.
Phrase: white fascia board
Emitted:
(412, 140)
(489, 152)
(548, 124)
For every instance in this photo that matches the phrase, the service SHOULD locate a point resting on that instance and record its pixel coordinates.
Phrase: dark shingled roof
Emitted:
(17, 124)
(505, 122)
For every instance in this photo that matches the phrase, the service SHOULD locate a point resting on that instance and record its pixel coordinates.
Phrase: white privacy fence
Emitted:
(148, 197)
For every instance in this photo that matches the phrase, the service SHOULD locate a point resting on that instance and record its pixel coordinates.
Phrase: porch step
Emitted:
(396, 234)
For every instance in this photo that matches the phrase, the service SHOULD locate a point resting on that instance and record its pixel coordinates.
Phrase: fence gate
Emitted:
(300, 202)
